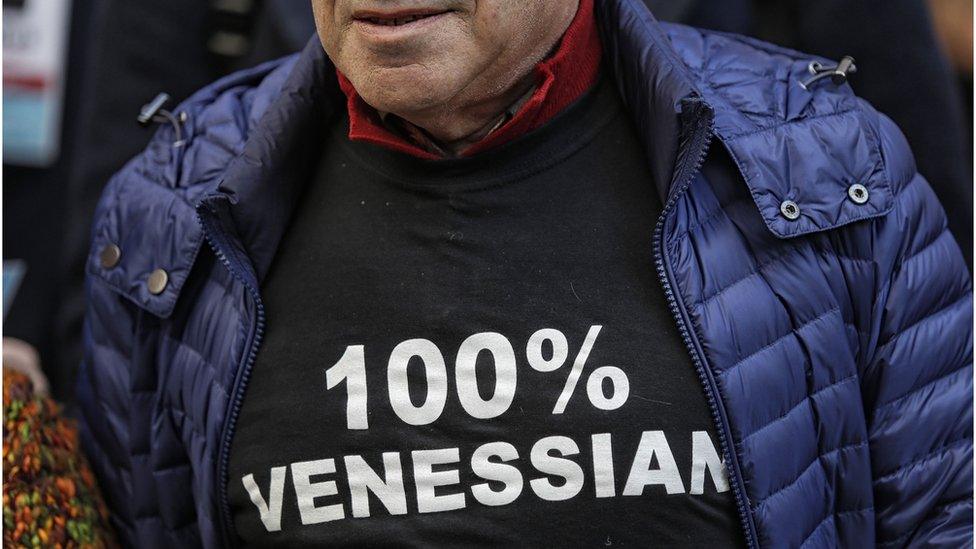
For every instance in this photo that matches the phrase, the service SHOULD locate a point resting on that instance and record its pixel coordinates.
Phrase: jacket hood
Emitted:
(252, 137)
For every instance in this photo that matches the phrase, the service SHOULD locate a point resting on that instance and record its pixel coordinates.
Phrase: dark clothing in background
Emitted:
(34, 208)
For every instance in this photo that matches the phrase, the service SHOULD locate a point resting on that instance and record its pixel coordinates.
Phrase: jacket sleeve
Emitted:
(105, 396)
(918, 380)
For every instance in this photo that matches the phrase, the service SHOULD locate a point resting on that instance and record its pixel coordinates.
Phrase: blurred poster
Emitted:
(35, 38)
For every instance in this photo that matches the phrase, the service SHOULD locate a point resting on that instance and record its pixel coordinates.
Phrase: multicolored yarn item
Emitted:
(49, 494)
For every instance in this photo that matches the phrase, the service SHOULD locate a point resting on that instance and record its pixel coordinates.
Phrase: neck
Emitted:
(456, 127)
(486, 103)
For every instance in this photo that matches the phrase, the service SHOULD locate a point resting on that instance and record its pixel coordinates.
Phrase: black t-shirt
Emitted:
(478, 351)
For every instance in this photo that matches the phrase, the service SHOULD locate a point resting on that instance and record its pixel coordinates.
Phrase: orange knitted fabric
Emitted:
(49, 494)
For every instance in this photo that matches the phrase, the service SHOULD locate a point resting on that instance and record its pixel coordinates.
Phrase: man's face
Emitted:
(408, 56)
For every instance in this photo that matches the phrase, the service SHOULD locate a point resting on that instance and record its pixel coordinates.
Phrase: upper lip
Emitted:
(397, 14)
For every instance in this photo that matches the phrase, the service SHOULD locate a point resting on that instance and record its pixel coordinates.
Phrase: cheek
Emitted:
(326, 15)
(502, 25)
(491, 21)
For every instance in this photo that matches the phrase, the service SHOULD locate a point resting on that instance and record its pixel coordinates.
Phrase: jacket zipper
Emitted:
(215, 238)
(700, 143)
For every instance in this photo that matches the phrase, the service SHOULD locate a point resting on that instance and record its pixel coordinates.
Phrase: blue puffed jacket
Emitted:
(808, 266)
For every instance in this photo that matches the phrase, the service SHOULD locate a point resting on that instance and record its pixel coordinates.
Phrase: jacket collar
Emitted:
(654, 83)
(258, 193)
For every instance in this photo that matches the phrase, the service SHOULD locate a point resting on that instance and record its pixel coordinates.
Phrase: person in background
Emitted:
(50, 498)
(953, 21)
(332, 299)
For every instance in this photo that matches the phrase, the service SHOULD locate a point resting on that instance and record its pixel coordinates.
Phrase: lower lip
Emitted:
(397, 31)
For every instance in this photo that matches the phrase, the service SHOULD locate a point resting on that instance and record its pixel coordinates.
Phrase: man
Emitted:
(537, 273)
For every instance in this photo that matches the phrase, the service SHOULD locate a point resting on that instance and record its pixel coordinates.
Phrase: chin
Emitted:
(405, 89)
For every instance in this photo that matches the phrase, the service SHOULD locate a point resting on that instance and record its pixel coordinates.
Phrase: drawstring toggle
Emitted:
(154, 112)
(837, 73)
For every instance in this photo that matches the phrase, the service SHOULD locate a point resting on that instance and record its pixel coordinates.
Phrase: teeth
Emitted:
(395, 21)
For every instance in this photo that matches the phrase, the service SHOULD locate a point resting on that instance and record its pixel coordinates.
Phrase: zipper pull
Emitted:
(837, 73)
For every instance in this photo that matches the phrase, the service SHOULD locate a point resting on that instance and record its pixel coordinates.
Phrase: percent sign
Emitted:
(594, 384)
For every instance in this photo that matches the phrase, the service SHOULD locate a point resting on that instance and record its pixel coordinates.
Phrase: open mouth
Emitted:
(396, 19)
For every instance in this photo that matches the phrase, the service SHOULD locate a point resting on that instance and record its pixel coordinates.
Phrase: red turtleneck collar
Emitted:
(560, 79)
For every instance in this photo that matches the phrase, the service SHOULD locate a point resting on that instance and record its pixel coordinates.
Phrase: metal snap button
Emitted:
(858, 193)
(157, 281)
(110, 256)
(790, 210)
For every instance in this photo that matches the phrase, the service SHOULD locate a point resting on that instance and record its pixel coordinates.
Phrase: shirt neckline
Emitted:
(533, 152)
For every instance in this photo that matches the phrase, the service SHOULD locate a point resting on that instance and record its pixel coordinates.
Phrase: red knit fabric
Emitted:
(560, 79)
